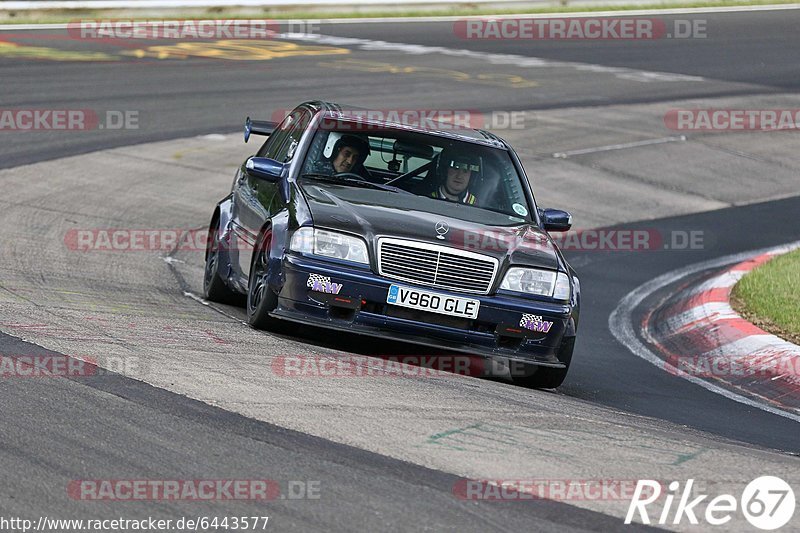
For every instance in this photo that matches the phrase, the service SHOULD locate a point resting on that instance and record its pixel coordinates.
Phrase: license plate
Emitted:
(433, 302)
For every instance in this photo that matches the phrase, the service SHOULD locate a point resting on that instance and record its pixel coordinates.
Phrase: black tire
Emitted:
(543, 377)
(261, 300)
(214, 287)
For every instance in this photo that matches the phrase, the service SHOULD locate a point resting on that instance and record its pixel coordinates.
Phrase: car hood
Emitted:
(374, 213)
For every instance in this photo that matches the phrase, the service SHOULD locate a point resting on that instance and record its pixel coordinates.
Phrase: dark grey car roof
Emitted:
(363, 116)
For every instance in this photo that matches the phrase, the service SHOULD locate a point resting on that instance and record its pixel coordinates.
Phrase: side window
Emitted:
(283, 141)
(275, 140)
(296, 130)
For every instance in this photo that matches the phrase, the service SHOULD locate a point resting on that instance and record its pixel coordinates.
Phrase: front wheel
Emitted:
(261, 300)
(543, 377)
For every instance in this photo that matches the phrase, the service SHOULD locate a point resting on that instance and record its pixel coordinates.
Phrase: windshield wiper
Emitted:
(345, 180)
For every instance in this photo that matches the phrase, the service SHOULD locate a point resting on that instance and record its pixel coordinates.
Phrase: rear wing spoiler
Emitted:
(258, 127)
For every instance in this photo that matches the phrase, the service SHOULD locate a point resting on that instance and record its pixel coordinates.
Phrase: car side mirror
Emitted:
(265, 169)
(556, 220)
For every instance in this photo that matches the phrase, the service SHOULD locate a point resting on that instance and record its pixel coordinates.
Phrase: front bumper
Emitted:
(360, 307)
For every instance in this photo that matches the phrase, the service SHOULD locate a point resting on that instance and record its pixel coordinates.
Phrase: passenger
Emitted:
(454, 171)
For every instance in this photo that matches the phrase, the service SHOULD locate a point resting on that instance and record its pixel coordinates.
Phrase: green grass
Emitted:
(769, 296)
(60, 16)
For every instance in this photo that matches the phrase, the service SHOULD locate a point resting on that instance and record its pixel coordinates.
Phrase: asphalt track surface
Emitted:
(55, 431)
(743, 54)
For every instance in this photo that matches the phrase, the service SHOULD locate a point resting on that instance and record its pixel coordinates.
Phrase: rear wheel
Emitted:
(543, 377)
(261, 300)
(214, 287)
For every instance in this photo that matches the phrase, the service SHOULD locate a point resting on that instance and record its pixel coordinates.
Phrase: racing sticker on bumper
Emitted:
(535, 323)
(323, 284)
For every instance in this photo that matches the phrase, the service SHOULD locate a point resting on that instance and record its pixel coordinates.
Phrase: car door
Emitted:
(253, 196)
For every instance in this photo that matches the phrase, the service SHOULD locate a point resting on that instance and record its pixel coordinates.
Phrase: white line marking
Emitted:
(515, 60)
(635, 144)
(213, 137)
(621, 324)
(200, 300)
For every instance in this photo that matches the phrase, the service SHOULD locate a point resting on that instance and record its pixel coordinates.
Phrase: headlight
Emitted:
(330, 244)
(538, 282)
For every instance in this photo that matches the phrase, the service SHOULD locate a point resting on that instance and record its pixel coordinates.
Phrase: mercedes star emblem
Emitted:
(441, 229)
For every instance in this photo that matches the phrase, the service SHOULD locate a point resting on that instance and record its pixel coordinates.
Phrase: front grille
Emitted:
(437, 266)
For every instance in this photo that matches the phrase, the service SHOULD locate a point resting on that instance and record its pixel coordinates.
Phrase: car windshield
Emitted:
(476, 178)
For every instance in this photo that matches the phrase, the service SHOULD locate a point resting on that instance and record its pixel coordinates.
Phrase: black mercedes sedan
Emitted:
(417, 234)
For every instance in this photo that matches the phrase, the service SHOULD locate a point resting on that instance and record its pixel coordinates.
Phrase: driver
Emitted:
(348, 155)
(454, 171)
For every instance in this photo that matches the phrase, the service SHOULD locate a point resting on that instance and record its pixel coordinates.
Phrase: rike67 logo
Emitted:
(767, 502)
